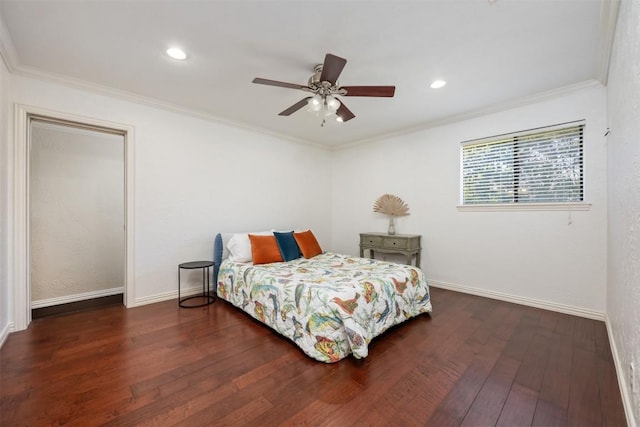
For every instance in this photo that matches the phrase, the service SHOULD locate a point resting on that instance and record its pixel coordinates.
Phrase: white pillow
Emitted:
(240, 246)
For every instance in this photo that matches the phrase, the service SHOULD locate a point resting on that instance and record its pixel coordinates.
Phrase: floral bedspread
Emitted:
(331, 305)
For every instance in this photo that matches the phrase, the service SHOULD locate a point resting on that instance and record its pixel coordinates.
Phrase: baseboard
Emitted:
(167, 296)
(546, 305)
(625, 392)
(8, 328)
(76, 297)
(77, 306)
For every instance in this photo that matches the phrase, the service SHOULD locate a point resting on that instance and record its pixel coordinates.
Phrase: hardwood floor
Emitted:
(473, 361)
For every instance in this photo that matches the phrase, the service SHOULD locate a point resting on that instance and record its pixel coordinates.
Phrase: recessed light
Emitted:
(176, 53)
(437, 84)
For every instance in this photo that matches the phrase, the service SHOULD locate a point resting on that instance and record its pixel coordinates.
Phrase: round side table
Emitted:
(206, 294)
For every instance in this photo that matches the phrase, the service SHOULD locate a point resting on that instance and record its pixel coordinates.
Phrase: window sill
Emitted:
(525, 207)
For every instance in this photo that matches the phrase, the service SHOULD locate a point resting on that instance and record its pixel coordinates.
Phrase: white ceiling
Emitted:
(492, 54)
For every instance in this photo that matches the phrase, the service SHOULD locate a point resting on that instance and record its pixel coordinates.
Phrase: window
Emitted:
(538, 166)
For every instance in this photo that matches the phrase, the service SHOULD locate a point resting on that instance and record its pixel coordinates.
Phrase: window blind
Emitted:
(541, 166)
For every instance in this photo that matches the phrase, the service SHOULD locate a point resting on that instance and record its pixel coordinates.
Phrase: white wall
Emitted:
(623, 293)
(195, 177)
(5, 169)
(77, 213)
(534, 255)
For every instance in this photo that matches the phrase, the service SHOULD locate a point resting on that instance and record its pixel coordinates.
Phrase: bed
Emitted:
(330, 305)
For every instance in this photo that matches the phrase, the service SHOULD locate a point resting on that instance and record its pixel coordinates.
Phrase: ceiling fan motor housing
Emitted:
(323, 88)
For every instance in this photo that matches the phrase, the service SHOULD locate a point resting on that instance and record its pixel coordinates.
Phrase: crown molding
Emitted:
(607, 30)
(495, 108)
(7, 49)
(74, 83)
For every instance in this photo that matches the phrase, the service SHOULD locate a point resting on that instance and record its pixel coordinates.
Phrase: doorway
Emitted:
(20, 259)
(76, 217)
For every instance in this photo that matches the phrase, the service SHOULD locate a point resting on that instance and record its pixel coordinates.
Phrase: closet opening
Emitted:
(76, 216)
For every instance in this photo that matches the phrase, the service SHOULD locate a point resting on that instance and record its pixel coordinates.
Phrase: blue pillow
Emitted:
(218, 249)
(288, 246)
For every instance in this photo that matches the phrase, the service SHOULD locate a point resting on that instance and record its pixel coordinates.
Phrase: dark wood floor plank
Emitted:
(584, 334)
(248, 414)
(549, 415)
(565, 325)
(534, 363)
(556, 380)
(519, 407)
(161, 365)
(602, 342)
(489, 402)
(504, 330)
(521, 338)
(548, 320)
(611, 405)
(455, 406)
(584, 398)
(360, 404)
(285, 390)
(417, 408)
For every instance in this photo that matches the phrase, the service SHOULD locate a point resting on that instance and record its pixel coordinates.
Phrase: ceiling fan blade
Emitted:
(332, 68)
(387, 91)
(277, 83)
(344, 113)
(295, 107)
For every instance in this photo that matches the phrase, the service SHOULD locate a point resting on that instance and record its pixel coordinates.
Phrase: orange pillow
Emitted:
(308, 244)
(264, 249)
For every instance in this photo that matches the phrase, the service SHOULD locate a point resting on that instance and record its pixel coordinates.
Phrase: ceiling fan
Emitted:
(323, 84)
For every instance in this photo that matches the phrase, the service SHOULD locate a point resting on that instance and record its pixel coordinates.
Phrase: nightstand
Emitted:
(405, 244)
(206, 298)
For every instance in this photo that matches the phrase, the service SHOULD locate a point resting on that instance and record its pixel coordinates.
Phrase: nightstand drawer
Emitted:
(395, 242)
(371, 240)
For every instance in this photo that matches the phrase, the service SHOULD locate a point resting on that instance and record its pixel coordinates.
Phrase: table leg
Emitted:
(203, 291)
(208, 284)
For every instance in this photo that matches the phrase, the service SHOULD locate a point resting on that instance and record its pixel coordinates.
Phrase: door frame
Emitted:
(21, 237)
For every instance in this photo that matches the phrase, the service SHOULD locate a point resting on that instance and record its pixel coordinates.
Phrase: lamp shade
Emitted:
(315, 103)
(332, 103)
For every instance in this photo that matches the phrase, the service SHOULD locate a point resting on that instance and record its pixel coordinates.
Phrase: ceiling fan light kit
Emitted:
(323, 105)
(323, 84)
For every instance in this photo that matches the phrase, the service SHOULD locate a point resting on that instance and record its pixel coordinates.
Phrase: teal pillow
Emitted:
(288, 246)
